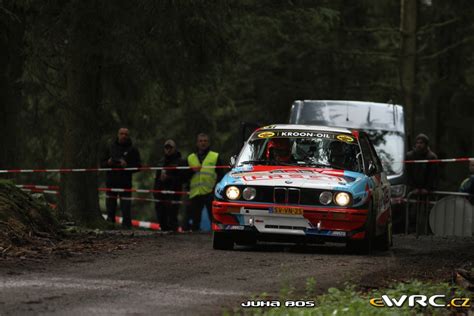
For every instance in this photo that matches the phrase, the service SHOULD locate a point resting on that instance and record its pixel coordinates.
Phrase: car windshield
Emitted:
(301, 148)
(390, 149)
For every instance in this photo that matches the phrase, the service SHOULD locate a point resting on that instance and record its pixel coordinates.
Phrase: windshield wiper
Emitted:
(325, 165)
(253, 162)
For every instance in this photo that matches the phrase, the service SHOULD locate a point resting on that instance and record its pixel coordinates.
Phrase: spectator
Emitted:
(120, 154)
(202, 181)
(166, 211)
(467, 186)
(422, 176)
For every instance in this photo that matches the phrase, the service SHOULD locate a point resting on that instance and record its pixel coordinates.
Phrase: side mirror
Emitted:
(232, 160)
(372, 168)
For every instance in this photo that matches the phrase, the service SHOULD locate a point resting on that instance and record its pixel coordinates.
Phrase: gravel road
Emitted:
(181, 274)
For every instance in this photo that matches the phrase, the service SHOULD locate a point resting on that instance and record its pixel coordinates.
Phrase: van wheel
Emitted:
(367, 245)
(222, 241)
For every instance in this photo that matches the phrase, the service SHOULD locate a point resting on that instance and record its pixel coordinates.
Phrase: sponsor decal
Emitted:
(268, 176)
(420, 301)
(345, 138)
(296, 134)
(304, 134)
(265, 134)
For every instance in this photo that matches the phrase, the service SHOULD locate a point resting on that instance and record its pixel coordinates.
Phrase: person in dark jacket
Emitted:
(169, 179)
(120, 154)
(422, 176)
(467, 186)
(203, 180)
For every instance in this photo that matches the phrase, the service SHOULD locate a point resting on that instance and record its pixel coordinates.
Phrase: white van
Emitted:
(383, 122)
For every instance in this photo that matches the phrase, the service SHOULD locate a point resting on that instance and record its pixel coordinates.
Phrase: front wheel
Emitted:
(222, 241)
(366, 245)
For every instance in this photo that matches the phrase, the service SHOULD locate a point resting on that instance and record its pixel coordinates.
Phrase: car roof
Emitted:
(297, 127)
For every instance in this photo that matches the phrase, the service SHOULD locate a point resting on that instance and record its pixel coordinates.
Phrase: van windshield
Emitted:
(390, 149)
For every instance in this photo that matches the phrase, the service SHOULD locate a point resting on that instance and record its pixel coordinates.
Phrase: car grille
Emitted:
(286, 195)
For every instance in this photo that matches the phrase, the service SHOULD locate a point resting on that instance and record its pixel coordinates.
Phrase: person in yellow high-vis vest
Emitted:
(203, 181)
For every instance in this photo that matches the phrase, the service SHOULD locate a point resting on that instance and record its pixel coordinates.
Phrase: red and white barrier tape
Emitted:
(132, 198)
(67, 170)
(143, 191)
(135, 223)
(440, 160)
(39, 187)
(55, 187)
(55, 192)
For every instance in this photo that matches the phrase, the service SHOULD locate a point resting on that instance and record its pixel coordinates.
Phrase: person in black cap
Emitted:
(422, 176)
(120, 154)
(169, 179)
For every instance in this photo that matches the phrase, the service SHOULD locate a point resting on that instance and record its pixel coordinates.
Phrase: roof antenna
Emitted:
(347, 112)
(368, 116)
(393, 112)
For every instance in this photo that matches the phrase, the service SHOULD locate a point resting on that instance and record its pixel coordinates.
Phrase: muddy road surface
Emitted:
(181, 274)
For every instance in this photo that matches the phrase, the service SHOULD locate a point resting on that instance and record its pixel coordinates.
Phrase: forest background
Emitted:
(72, 72)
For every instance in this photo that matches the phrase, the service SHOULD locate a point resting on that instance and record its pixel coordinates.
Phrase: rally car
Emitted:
(304, 184)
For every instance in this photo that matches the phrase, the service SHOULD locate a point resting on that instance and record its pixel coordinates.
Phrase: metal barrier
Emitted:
(422, 204)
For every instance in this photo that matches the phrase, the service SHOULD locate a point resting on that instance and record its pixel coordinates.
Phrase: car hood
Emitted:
(303, 177)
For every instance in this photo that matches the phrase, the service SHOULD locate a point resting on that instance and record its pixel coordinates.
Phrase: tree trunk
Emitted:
(82, 131)
(408, 21)
(11, 70)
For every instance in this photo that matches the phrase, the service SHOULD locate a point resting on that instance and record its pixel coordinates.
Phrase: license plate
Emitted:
(288, 210)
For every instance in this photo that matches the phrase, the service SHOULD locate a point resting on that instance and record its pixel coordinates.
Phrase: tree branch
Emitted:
(429, 27)
(373, 29)
(447, 49)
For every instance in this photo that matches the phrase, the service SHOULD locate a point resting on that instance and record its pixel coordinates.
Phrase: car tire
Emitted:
(385, 241)
(222, 241)
(367, 245)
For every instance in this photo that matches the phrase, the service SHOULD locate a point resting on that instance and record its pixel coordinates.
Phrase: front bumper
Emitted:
(256, 221)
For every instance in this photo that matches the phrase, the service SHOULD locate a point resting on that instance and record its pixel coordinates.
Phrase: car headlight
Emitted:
(325, 197)
(249, 193)
(342, 199)
(232, 193)
(398, 190)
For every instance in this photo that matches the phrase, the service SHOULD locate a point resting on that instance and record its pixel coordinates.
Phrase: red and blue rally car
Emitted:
(304, 184)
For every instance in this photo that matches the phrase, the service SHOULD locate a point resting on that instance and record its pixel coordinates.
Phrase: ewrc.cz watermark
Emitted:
(274, 303)
(421, 301)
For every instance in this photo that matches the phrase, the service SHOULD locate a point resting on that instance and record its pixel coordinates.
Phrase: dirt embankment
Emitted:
(30, 231)
(24, 220)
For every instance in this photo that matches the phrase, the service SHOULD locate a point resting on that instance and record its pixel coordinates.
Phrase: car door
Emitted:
(383, 188)
(379, 186)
